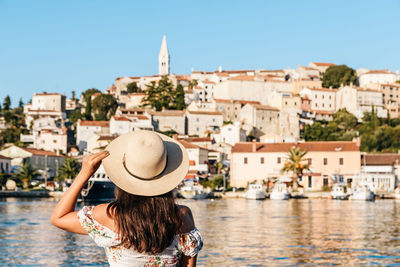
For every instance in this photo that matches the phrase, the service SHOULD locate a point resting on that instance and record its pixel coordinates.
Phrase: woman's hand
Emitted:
(92, 162)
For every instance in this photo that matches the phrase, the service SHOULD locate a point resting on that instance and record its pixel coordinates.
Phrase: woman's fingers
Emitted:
(100, 156)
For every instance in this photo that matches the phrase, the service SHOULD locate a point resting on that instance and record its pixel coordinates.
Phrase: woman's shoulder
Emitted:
(187, 219)
(101, 216)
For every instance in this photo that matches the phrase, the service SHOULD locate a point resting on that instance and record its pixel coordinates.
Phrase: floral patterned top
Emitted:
(188, 244)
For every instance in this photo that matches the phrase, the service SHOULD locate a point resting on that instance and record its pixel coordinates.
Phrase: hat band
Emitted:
(141, 178)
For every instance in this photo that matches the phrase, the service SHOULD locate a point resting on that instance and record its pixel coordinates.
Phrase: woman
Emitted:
(143, 226)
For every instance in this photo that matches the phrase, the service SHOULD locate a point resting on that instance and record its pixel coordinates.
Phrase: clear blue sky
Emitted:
(60, 46)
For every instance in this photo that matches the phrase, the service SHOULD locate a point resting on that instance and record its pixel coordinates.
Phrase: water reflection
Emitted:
(236, 232)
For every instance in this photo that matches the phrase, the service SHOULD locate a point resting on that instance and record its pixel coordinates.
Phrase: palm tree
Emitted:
(193, 83)
(296, 163)
(27, 173)
(68, 170)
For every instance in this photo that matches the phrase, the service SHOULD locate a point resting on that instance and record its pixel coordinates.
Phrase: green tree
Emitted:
(104, 107)
(192, 84)
(27, 173)
(179, 98)
(345, 120)
(75, 115)
(296, 163)
(7, 103)
(160, 95)
(338, 74)
(88, 99)
(21, 103)
(68, 170)
(132, 88)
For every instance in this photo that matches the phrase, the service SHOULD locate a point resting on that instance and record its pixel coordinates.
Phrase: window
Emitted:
(54, 141)
(245, 160)
(278, 160)
(315, 96)
(323, 96)
(309, 181)
(197, 119)
(325, 161)
(309, 161)
(341, 161)
(326, 180)
(262, 160)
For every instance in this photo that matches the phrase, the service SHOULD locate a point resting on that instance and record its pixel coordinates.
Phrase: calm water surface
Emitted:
(237, 232)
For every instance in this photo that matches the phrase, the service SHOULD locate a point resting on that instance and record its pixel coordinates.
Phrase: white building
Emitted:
(52, 140)
(359, 100)
(169, 120)
(230, 134)
(322, 99)
(128, 123)
(198, 157)
(371, 77)
(86, 129)
(50, 105)
(203, 122)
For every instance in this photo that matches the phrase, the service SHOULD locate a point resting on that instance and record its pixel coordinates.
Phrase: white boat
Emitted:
(339, 191)
(99, 188)
(255, 191)
(362, 193)
(192, 189)
(279, 192)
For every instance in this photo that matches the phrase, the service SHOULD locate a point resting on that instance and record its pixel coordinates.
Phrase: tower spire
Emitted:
(163, 58)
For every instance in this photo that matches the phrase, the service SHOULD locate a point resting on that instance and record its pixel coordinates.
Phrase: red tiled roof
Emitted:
(328, 146)
(39, 152)
(243, 78)
(187, 144)
(381, 159)
(120, 118)
(198, 139)
(3, 157)
(107, 138)
(322, 64)
(208, 82)
(378, 72)
(95, 123)
(177, 113)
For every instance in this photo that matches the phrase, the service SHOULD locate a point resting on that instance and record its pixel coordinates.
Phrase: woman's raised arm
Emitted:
(64, 216)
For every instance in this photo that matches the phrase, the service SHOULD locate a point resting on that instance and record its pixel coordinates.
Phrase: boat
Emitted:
(192, 189)
(362, 193)
(279, 192)
(255, 191)
(99, 188)
(339, 191)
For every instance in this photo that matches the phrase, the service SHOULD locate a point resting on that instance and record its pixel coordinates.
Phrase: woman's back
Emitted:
(101, 228)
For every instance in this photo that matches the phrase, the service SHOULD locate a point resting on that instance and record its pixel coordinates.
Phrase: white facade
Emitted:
(198, 156)
(52, 140)
(169, 120)
(359, 100)
(378, 77)
(128, 123)
(203, 122)
(322, 99)
(86, 129)
(50, 105)
(230, 134)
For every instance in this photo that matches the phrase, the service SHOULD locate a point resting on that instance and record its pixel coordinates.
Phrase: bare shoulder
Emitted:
(100, 215)
(187, 219)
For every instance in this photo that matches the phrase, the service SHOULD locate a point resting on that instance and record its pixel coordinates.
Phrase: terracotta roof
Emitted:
(261, 71)
(391, 84)
(237, 71)
(3, 157)
(95, 123)
(39, 152)
(367, 90)
(222, 74)
(198, 139)
(328, 146)
(264, 107)
(121, 118)
(126, 117)
(322, 64)
(380, 159)
(323, 112)
(205, 112)
(177, 113)
(378, 72)
(274, 80)
(187, 144)
(244, 78)
(208, 82)
(222, 100)
(244, 102)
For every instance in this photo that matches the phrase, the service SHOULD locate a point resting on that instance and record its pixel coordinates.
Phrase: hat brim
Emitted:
(175, 171)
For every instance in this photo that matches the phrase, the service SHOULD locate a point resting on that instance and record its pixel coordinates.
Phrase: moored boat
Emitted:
(255, 191)
(99, 188)
(279, 192)
(362, 193)
(339, 191)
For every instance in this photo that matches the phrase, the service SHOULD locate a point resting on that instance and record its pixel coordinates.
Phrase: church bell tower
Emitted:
(163, 58)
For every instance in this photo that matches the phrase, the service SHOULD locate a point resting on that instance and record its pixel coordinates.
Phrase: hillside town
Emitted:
(239, 124)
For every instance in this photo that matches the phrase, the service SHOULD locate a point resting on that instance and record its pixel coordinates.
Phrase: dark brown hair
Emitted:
(146, 224)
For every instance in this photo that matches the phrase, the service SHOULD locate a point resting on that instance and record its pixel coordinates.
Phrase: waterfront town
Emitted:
(316, 125)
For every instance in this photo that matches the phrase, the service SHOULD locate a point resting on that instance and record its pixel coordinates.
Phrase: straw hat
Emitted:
(146, 163)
